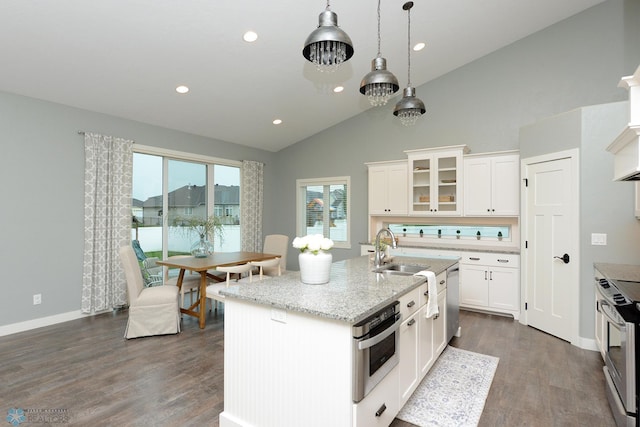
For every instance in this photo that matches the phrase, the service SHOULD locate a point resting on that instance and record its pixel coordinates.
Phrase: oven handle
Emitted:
(608, 316)
(362, 345)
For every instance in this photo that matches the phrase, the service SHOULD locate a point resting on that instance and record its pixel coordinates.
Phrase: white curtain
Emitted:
(251, 205)
(107, 220)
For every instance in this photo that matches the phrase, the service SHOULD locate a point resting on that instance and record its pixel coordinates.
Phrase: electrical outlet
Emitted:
(279, 315)
(37, 299)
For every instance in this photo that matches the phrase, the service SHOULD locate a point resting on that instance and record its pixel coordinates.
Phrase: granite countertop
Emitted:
(354, 291)
(619, 271)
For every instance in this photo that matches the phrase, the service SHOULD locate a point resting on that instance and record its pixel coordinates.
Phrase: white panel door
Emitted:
(551, 230)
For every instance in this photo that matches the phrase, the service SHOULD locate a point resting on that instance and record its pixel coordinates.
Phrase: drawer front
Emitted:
(490, 259)
(410, 303)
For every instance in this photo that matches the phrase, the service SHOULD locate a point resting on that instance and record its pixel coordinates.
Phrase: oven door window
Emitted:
(384, 350)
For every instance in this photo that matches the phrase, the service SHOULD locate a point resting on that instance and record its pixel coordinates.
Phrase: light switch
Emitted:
(599, 239)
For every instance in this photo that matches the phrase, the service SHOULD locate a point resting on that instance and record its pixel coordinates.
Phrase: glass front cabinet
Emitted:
(435, 181)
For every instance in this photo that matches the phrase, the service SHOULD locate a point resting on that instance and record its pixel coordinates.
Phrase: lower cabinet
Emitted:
(601, 322)
(381, 406)
(491, 282)
(422, 339)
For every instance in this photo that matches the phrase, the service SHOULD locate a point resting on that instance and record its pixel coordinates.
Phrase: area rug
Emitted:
(453, 392)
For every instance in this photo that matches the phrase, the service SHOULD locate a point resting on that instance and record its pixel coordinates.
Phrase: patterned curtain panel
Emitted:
(251, 205)
(107, 220)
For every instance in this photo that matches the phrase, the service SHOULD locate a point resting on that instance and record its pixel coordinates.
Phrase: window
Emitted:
(181, 184)
(322, 207)
(453, 231)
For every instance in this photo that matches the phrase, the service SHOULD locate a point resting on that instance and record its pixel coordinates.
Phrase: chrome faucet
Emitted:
(380, 255)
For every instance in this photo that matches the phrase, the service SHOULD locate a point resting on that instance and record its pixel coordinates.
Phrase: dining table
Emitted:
(203, 265)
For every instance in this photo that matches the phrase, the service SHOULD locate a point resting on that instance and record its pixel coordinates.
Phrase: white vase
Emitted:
(315, 269)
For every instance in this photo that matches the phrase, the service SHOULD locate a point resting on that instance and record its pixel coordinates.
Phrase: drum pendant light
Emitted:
(409, 108)
(328, 46)
(379, 84)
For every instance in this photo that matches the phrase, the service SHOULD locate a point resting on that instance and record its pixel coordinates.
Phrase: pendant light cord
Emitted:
(409, 47)
(379, 54)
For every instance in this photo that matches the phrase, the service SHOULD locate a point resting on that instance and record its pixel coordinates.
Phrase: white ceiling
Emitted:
(125, 57)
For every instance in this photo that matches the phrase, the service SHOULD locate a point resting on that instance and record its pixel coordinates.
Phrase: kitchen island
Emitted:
(289, 346)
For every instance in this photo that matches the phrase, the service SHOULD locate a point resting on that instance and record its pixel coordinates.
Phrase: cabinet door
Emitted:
(435, 183)
(408, 352)
(505, 185)
(388, 189)
(397, 194)
(420, 170)
(474, 285)
(492, 185)
(446, 184)
(440, 325)
(377, 190)
(504, 288)
(426, 342)
(477, 186)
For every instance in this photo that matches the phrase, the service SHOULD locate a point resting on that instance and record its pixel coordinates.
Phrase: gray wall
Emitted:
(42, 217)
(483, 105)
(606, 206)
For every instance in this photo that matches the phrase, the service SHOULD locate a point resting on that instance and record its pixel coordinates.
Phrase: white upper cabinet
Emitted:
(492, 185)
(435, 181)
(388, 188)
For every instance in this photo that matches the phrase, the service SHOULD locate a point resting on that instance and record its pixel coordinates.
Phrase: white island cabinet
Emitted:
(288, 348)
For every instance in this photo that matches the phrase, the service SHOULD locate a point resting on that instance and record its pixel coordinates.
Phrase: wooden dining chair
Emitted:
(213, 290)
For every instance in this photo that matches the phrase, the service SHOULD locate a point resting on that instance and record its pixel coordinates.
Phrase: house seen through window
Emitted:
(323, 208)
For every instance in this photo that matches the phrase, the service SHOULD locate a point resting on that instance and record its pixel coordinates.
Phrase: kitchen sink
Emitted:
(400, 269)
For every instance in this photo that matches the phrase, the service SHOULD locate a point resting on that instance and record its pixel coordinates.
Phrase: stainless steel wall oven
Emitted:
(375, 349)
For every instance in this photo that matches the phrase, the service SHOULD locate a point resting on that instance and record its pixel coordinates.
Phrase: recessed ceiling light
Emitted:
(277, 121)
(182, 89)
(250, 36)
(419, 46)
(338, 89)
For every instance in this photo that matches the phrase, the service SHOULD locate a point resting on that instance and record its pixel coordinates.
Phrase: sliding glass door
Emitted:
(166, 188)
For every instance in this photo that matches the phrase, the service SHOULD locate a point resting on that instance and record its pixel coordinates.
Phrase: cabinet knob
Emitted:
(411, 322)
(411, 304)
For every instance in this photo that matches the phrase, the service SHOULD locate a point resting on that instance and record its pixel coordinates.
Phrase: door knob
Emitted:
(565, 258)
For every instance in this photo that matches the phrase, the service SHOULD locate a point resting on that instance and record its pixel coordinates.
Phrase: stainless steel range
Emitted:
(618, 301)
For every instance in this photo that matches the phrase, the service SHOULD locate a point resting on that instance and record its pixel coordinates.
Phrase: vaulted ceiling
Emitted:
(126, 57)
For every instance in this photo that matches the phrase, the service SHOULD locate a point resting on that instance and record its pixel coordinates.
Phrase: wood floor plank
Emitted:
(86, 367)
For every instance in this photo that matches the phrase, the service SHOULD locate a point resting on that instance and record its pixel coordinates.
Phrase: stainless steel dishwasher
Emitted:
(453, 301)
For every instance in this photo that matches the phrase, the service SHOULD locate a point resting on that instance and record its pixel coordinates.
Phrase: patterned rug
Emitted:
(453, 392)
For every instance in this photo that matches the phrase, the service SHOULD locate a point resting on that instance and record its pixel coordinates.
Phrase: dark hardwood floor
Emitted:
(86, 368)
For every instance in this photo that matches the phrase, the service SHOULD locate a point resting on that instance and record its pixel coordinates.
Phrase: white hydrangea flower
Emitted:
(313, 243)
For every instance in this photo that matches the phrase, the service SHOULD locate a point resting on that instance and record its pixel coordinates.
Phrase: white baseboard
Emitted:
(587, 344)
(39, 323)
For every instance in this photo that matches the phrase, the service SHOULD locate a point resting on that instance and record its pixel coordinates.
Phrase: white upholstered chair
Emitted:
(152, 310)
(272, 265)
(277, 244)
(213, 290)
